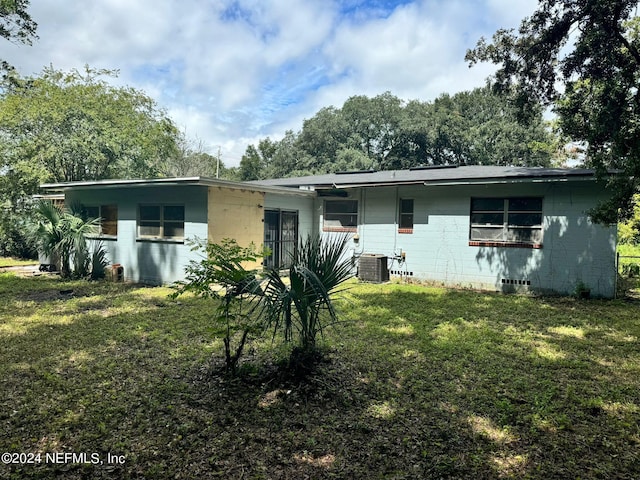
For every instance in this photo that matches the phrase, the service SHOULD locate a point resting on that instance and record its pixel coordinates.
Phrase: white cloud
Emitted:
(233, 72)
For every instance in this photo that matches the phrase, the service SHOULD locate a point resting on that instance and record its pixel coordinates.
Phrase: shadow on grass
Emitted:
(541, 381)
(419, 383)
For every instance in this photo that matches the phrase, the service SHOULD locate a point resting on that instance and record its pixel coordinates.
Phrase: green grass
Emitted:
(419, 383)
(627, 250)
(14, 262)
(629, 268)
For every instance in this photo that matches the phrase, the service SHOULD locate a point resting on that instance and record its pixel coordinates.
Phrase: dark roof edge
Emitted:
(202, 181)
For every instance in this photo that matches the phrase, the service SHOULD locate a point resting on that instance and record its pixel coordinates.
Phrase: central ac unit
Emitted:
(373, 268)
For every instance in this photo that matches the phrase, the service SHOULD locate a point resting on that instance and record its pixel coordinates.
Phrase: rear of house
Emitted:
(497, 228)
(146, 224)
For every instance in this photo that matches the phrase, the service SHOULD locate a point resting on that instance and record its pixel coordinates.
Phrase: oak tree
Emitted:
(582, 59)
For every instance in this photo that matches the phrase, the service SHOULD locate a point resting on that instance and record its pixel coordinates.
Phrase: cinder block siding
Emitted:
(153, 262)
(438, 250)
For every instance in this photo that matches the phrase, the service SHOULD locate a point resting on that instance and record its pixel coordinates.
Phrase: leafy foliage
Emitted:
(62, 234)
(583, 58)
(629, 230)
(16, 24)
(75, 126)
(71, 126)
(99, 261)
(191, 159)
(220, 275)
(298, 305)
(15, 238)
(384, 132)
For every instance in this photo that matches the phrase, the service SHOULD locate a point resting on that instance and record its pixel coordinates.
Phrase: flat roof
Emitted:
(154, 182)
(439, 175)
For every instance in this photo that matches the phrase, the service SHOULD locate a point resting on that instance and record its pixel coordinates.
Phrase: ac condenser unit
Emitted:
(373, 268)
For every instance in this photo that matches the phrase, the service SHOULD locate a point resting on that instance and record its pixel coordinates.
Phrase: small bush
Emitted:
(220, 275)
(630, 270)
(16, 239)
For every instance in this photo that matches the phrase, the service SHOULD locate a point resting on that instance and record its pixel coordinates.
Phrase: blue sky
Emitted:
(232, 72)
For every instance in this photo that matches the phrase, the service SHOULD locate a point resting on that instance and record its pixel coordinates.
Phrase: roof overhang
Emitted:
(463, 182)
(466, 175)
(177, 181)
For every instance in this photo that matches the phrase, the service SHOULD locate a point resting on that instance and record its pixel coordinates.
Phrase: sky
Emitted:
(230, 73)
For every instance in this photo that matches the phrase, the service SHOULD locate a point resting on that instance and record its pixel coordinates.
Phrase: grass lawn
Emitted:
(629, 251)
(419, 383)
(15, 262)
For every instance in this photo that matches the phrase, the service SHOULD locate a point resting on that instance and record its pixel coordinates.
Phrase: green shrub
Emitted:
(220, 275)
(630, 270)
(16, 239)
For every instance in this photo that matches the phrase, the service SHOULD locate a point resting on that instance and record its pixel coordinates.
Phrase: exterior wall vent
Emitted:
(511, 281)
(401, 273)
(373, 268)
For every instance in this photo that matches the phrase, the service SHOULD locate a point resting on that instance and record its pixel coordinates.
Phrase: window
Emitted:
(405, 224)
(515, 222)
(161, 222)
(340, 216)
(108, 215)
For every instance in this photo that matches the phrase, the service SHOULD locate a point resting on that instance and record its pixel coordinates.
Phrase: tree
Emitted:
(16, 25)
(190, 159)
(75, 126)
(488, 132)
(372, 125)
(385, 132)
(256, 160)
(581, 57)
(323, 135)
(629, 231)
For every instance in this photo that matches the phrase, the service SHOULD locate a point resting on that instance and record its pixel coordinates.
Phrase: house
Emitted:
(145, 224)
(488, 227)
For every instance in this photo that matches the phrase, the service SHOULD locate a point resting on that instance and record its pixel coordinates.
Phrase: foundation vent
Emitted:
(401, 273)
(512, 281)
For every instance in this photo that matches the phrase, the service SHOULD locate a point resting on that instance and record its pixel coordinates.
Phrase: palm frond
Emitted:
(299, 306)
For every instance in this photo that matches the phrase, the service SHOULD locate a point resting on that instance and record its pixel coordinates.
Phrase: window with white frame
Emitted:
(108, 219)
(515, 221)
(340, 215)
(161, 222)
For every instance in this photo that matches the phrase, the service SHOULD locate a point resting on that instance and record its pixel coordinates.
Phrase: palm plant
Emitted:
(303, 305)
(63, 235)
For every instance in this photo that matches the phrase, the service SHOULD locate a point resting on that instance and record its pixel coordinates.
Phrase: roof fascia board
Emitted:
(504, 181)
(202, 181)
(479, 181)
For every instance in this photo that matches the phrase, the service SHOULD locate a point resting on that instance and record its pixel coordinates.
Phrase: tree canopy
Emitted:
(75, 126)
(582, 58)
(385, 132)
(190, 159)
(16, 24)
